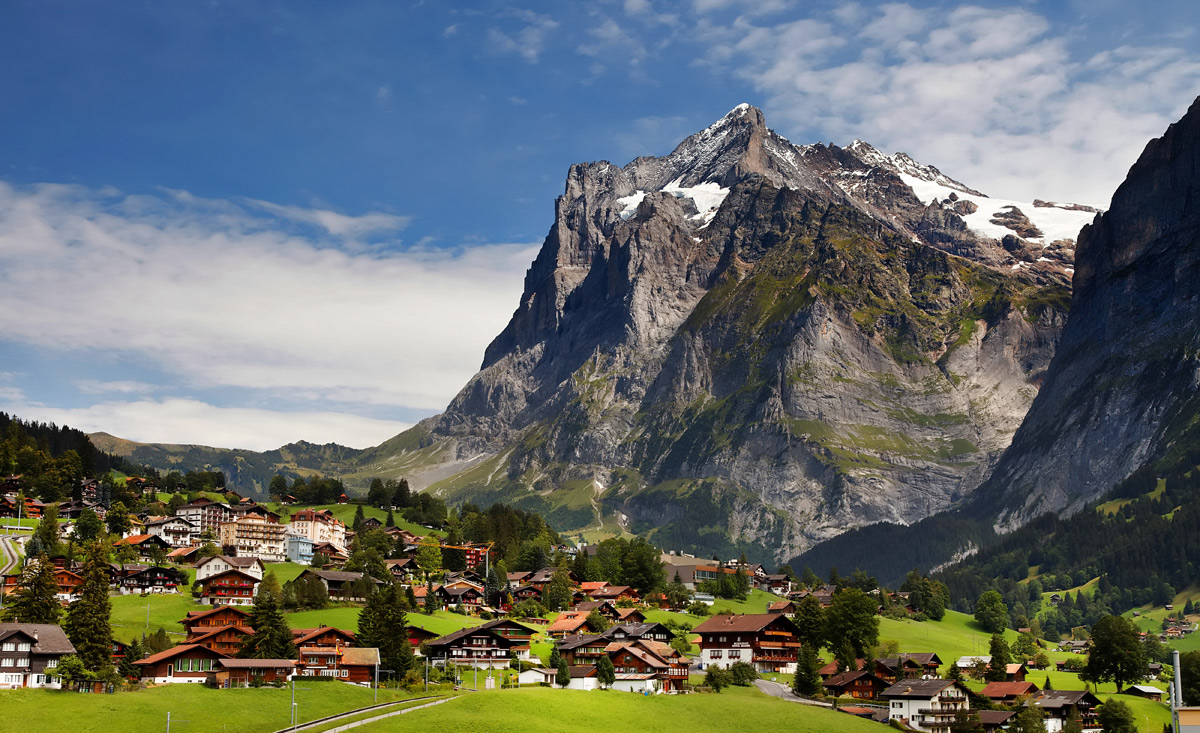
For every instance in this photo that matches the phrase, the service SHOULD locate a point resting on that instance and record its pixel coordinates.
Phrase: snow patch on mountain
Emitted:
(707, 197)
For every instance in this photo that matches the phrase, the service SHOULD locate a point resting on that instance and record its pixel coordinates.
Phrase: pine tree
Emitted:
(555, 657)
(272, 638)
(431, 601)
(358, 520)
(1001, 657)
(808, 678)
(87, 624)
(606, 674)
(563, 677)
(382, 624)
(34, 602)
(391, 519)
(133, 652)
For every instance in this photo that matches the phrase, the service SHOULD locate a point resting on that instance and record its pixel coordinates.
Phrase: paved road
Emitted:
(8, 561)
(783, 692)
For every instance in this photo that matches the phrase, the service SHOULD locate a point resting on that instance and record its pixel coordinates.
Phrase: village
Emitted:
(601, 635)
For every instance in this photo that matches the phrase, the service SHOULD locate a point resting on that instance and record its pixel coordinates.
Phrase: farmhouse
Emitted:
(766, 640)
(927, 705)
(487, 645)
(29, 654)
(180, 664)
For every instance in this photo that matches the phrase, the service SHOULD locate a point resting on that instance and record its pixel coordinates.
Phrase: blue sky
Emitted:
(245, 223)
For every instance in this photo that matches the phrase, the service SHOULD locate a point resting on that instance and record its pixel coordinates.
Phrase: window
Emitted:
(735, 654)
(6, 662)
(23, 646)
(23, 662)
(51, 663)
(345, 673)
(716, 653)
(9, 646)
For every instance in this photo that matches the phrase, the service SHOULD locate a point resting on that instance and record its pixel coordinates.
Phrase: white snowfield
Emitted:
(707, 196)
(1054, 223)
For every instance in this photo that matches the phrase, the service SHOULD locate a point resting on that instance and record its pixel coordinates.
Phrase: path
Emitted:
(9, 560)
(783, 692)
(321, 723)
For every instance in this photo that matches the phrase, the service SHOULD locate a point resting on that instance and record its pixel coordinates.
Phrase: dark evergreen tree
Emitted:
(87, 624)
(272, 637)
(382, 624)
(606, 673)
(34, 601)
(1001, 658)
(431, 599)
(563, 677)
(810, 620)
(133, 653)
(807, 680)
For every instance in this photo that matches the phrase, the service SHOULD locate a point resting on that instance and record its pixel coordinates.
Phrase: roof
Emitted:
(138, 539)
(746, 622)
(243, 630)
(582, 670)
(360, 655)
(780, 605)
(845, 678)
(256, 663)
(489, 627)
(50, 638)
(1145, 689)
(994, 717)
(921, 689)
(197, 615)
(1014, 668)
(972, 661)
(1008, 689)
(176, 651)
(338, 576)
(1053, 699)
(303, 635)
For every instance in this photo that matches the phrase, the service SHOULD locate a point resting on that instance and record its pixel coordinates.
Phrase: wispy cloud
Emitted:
(193, 422)
(95, 386)
(527, 40)
(221, 296)
(995, 96)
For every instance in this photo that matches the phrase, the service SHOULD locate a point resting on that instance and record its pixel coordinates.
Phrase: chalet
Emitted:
(650, 631)
(777, 584)
(199, 623)
(151, 579)
(995, 720)
(591, 586)
(31, 508)
(224, 639)
(525, 593)
(1015, 672)
(630, 616)
(29, 654)
(616, 593)
(606, 608)
(910, 666)
(784, 607)
(175, 531)
(541, 578)
(371, 523)
(231, 588)
(183, 555)
(418, 636)
(402, 569)
(487, 645)
(571, 623)
(333, 554)
(180, 664)
(220, 563)
(766, 640)
(1147, 691)
(861, 684)
(1006, 693)
(145, 544)
(644, 665)
(926, 705)
(1057, 705)
(75, 509)
(967, 663)
(518, 578)
(339, 583)
(583, 649)
(244, 672)
(323, 637)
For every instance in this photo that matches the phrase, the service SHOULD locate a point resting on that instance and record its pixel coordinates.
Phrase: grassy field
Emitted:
(128, 617)
(533, 710)
(194, 708)
(285, 571)
(346, 617)
(954, 636)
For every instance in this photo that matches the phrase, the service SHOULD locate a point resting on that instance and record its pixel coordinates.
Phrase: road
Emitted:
(783, 692)
(9, 560)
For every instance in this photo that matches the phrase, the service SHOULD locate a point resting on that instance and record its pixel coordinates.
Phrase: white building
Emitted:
(175, 531)
(210, 566)
(318, 525)
(254, 536)
(927, 705)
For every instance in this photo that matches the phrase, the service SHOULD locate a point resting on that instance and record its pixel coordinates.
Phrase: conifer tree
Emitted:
(133, 652)
(34, 601)
(87, 624)
(383, 625)
(606, 673)
(391, 519)
(808, 678)
(272, 638)
(563, 677)
(431, 601)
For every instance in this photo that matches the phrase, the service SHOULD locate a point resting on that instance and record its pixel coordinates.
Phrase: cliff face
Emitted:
(752, 344)
(1123, 387)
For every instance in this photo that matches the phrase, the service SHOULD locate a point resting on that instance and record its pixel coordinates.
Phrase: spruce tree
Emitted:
(272, 638)
(34, 601)
(808, 678)
(87, 624)
(133, 652)
(382, 624)
(605, 672)
(391, 519)
(563, 677)
(431, 601)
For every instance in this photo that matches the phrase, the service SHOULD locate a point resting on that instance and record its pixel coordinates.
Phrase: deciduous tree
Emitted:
(1116, 654)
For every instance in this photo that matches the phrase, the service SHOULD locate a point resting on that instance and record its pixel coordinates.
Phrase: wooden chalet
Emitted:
(995, 720)
(418, 636)
(402, 569)
(1007, 693)
(861, 684)
(766, 640)
(145, 544)
(29, 654)
(184, 555)
(186, 663)
(525, 593)
(324, 637)
(244, 672)
(1057, 705)
(630, 616)
(339, 583)
(224, 639)
(465, 596)
(201, 622)
(1147, 691)
(230, 588)
(570, 623)
(777, 584)
(487, 645)
(784, 607)
(1015, 672)
(151, 579)
(645, 664)
(606, 608)
(616, 593)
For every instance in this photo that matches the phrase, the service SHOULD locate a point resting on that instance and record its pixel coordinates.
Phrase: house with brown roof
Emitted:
(151, 579)
(607, 609)
(29, 654)
(483, 646)
(201, 622)
(243, 672)
(145, 544)
(615, 593)
(926, 705)
(1006, 693)
(224, 639)
(647, 665)
(1015, 672)
(209, 566)
(630, 616)
(230, 588)
(766, 640)
(326, 637)
(995, 720)
(570, 623)
(785, 607)
(1057, 706)
(186, 663)
(339, 583)
(862, 685)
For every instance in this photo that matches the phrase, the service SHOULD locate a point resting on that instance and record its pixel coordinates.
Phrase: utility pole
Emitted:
(295, 713)
(377, 671)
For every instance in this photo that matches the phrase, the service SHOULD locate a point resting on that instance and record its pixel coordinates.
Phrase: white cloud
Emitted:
(95, 386)
(526, 41)
(217, 295)
(192, 422)
(339, 225)
(993, 96)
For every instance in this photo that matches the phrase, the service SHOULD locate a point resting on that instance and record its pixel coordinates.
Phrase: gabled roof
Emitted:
(919, 689)
(176, 651)
(750, 622)
(194, 616)
(489, 627)
(243, 630)
(140, 539)
(1008, 689)
(568, 621)
(1053, 699)
(48, 638)
(303, 635)
(360, 656)
(338, 576)
(994, 717)
(845, 678)
(228, 573)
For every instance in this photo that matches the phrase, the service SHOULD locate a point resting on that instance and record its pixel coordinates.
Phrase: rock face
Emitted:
(757, 345)
(1122, 388)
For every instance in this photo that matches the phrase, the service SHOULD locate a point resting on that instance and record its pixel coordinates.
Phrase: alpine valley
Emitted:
(744, 345)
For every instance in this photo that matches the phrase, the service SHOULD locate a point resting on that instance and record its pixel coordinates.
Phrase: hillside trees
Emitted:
(991, 613)
(1117, 654)
(34, 602)
(87, 624)
(382, 624)
(272, 637)
(851, 622)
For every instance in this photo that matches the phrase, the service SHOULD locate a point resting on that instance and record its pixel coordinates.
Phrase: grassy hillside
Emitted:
(533, 710)
(194, 708)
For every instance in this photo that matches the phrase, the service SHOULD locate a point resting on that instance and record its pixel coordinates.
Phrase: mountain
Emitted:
(1122, 390)
(750, 344)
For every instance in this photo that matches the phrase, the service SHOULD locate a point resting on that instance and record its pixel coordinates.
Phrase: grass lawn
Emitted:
(285, 571)
(532, 710)
(346, 617)
(956, 635)
(129, 614)
(195, 708)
